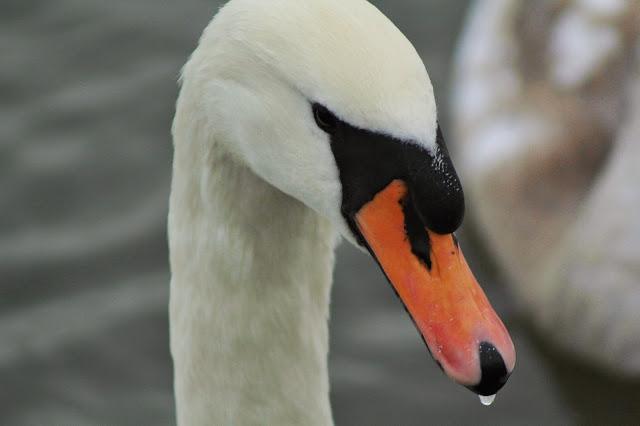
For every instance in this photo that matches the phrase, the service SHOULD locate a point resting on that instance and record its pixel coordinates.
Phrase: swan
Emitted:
(299, 123)
(546, 119)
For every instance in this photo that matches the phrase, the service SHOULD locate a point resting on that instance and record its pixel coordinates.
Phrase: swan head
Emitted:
(327, 101)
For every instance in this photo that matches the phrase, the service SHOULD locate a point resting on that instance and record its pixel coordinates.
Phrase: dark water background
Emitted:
(87, 89)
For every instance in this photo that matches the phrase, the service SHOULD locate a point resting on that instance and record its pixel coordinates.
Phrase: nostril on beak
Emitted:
(494, 371)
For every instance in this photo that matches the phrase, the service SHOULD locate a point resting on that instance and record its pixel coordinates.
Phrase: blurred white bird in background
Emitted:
(546, 114)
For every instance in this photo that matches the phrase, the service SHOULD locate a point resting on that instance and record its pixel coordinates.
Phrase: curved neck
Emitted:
(251, 277)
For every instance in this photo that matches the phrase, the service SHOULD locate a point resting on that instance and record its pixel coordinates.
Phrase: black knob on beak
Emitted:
(436, 189)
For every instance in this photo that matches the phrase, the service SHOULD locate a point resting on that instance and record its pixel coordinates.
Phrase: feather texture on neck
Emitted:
(251, 277)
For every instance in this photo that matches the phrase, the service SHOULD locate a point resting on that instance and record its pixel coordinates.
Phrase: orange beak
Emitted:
(450, 310)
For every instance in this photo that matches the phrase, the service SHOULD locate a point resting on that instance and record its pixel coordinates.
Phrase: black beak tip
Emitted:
(494, 371)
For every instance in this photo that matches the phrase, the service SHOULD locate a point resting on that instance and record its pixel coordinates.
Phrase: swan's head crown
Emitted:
(260, 67)
(344, 54)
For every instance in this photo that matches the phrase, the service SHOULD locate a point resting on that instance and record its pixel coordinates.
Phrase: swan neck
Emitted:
(251, 277)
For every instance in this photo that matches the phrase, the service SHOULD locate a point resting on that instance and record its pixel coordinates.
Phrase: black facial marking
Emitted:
(494, 371)
(368, 162)
(416, 233)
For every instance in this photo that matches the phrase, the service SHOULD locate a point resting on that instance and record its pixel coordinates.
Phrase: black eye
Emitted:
(324, 118)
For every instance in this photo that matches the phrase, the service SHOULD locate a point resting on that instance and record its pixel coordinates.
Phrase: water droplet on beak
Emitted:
(487, 400)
